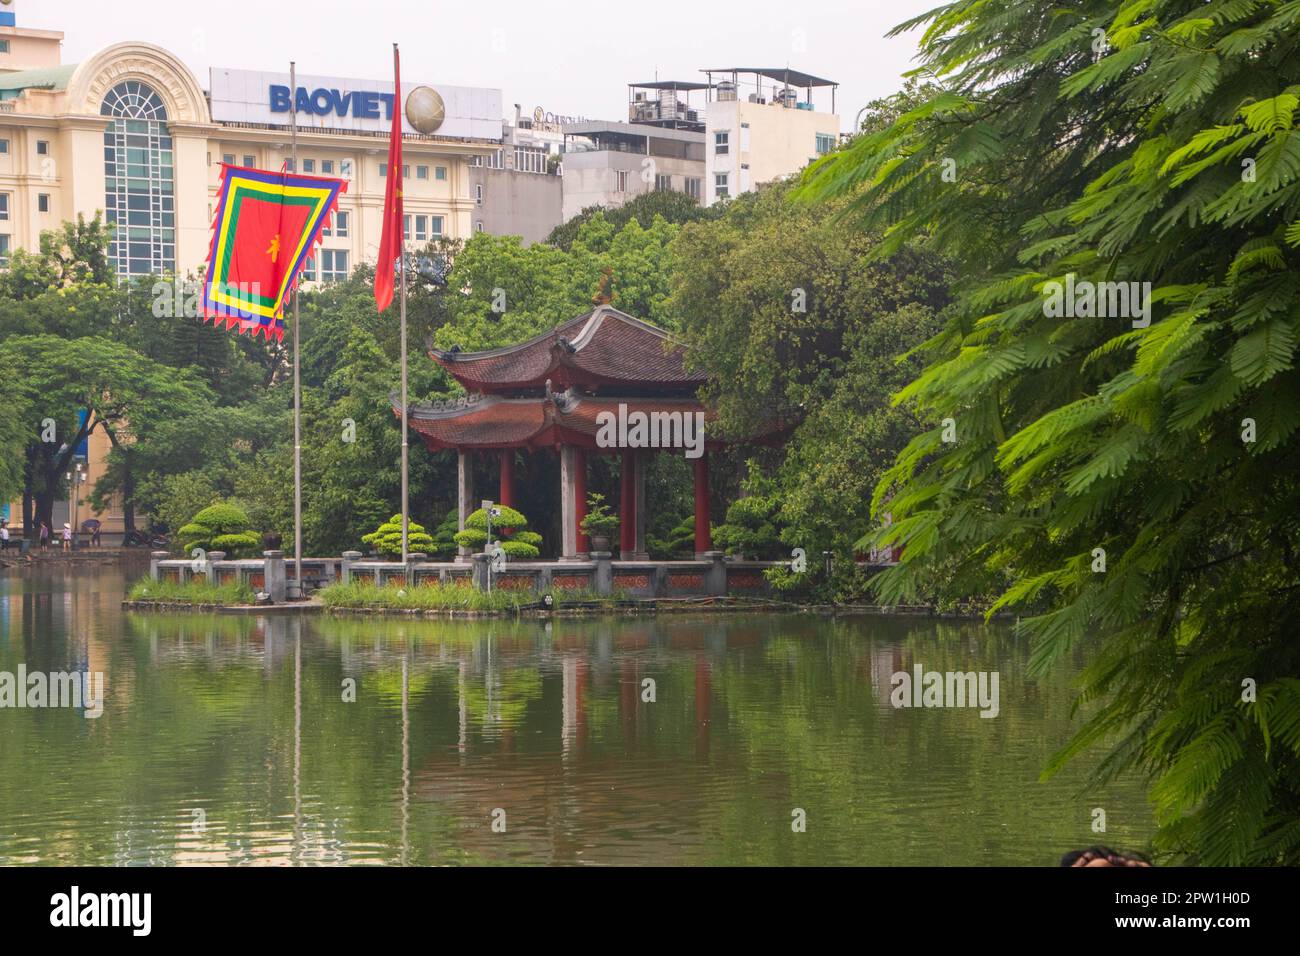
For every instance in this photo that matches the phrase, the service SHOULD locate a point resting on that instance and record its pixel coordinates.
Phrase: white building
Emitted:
(758, 129)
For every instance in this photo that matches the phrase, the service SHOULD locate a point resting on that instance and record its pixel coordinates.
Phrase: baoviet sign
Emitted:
(346, 105)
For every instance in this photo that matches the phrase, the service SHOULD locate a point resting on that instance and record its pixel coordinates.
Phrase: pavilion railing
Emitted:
(599, 574)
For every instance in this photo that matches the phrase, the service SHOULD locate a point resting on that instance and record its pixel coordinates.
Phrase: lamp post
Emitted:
(76, 478)
(490, 511)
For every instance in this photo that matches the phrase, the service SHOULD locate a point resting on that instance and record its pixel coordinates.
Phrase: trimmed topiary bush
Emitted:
(680, 541)
(444, 536)
(519, 549)
(387, 538)
(509, 518)
(470, 538)
(751, 527)
(510, 528)
(220, 527)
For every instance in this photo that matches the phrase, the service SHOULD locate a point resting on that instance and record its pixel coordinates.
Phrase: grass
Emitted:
(439, 597)
(189, 592)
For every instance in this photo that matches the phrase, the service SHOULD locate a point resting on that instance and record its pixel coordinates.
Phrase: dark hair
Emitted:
(1099, 852)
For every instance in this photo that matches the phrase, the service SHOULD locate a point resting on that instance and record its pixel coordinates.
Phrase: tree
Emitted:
(111, 387)
(669, 205)
(1130, 476)
(786, 308)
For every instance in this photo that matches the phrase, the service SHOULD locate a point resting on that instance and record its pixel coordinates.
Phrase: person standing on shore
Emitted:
(4, 534)
(45, 536)
(67, 536)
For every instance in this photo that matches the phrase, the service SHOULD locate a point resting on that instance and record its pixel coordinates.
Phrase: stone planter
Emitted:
(599, 542)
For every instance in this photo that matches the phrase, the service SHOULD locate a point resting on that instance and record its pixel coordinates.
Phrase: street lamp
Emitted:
(76, 478)
(490, 511)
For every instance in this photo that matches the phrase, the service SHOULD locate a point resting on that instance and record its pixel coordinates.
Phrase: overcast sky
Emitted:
(572, 57)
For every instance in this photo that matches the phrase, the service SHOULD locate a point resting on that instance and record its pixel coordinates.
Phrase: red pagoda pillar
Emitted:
(627, 505)
(703, 538)
(580, 499)
(506, 493)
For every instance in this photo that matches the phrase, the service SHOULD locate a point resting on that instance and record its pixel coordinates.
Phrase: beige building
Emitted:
(757, 128)
(131, 131)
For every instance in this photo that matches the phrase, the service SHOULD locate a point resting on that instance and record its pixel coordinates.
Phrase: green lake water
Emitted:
(228, 739)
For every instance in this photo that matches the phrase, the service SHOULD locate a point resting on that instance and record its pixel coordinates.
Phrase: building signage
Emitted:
(345, 105)
(553, 122)
(323, 102)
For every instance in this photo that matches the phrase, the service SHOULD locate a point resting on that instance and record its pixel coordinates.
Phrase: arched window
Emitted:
(139, 181)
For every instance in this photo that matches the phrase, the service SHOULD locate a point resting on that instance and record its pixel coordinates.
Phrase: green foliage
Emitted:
(190, 592)
(510, 292)
(507, 518)
(1171, 158)
(520, 549)
(800, 324)
(598, 520)
(671, 206)
(423, 597)
(470, 538)
(450, 597)
(387, 538)
(680, 541)
(444, 536)
(510, 528)
(180, 496)
(751, 527)
(220, 527)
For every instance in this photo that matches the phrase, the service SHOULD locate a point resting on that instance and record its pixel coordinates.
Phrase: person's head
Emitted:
(1101, 856)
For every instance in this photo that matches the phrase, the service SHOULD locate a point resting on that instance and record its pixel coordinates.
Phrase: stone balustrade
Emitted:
(713, 576)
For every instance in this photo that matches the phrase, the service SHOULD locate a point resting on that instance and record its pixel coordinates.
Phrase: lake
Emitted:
(700, 739)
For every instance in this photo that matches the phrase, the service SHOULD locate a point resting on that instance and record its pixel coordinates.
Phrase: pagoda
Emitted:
(560, 390)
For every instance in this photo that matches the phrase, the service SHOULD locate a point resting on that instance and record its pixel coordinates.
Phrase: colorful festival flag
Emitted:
(390, 239)
(267, 226)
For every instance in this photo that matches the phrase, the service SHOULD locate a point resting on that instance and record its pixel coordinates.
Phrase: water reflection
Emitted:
(238, 740)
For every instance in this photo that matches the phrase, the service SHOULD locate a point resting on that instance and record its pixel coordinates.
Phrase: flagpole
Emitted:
(406, 501)
(297, 385)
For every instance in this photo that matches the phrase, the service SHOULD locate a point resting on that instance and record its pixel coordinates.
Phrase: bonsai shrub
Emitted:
(680, 540)
(750, 528)
(510, 528)
(387, 538)
(444, 536)
(598, 520)
(220, 527)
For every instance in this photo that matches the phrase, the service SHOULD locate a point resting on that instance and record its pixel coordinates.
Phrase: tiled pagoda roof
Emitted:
(494, 421)
(604, 347)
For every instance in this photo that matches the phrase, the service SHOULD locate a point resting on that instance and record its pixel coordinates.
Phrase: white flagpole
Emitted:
(406, 501)
(297, 385)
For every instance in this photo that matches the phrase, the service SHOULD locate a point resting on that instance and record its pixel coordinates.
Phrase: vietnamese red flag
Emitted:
(390, 241)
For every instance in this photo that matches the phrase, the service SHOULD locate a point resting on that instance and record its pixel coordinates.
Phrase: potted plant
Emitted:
(599, 524)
